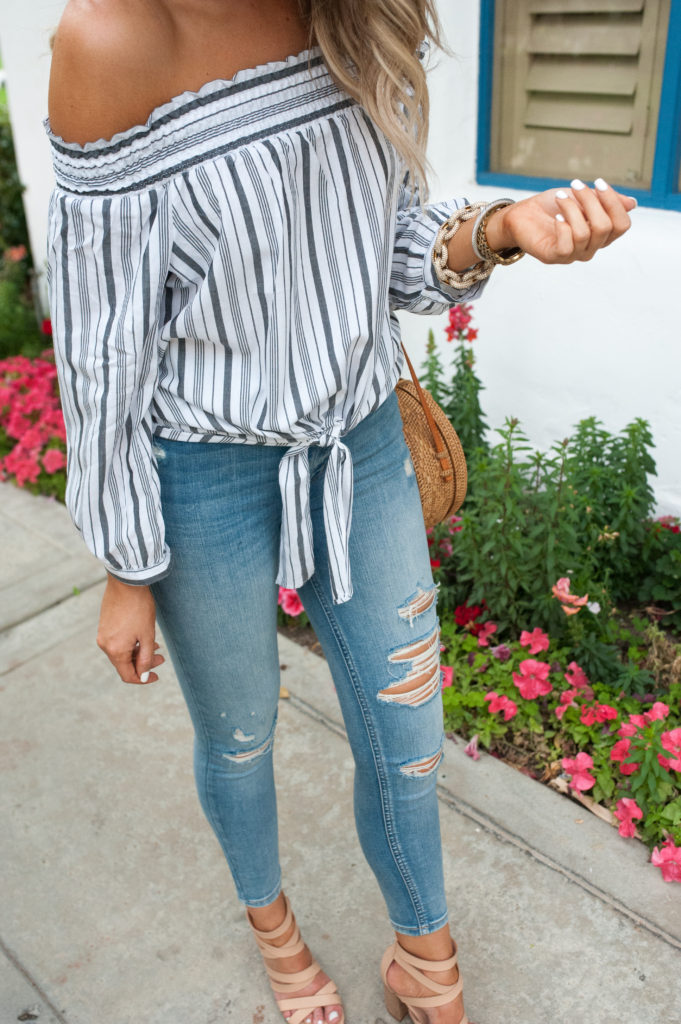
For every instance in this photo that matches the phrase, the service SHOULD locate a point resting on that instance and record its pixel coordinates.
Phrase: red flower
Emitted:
(668, 859)
(46, 327)
(463, 614)
(567, 700)
(588, 715)
(605, 713)
(472, 748)
(503, 703)
(579, 768)
(537, 640)
(576, 677)
(533, 679)
(671, 741)
(459, 319)
(435, 563)
(290, 602)
(627, 809)
(447, 676)
(53, 460)
(621, 751)
(486, 632)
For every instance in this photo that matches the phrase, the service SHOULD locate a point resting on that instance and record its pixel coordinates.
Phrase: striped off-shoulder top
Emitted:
(229, 272)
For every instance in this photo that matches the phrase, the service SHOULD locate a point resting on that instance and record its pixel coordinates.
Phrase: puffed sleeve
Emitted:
(414, 284)
(107, 265)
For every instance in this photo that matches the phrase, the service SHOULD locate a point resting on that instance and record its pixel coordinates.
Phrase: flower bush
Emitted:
(32, 432)
(525, 700)
(555, 581)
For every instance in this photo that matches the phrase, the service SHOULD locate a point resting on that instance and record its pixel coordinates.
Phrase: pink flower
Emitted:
(570, 603)
(447, 676)
(502, 652)
(627, 809)
(638, 721)
(627, 729)
(668, 860)
(567, 700)
(671, 741)
(579, 768)
(53, 460)
(576, 677)
(657, 712)
(537, 640)
(587, 715)
(619, 752)
(533, 679)
(605, 713)
(290, 602)
(472, 748)
(485, 633)
(502, 703)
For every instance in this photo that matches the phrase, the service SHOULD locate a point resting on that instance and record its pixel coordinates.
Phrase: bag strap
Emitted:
(440, 449)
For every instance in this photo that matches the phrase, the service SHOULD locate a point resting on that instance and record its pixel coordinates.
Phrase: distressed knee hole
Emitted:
(417, 604)
(422, 766)
(423, 677)
(243, 756)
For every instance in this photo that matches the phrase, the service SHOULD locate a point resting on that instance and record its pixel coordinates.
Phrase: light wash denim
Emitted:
(218, 612)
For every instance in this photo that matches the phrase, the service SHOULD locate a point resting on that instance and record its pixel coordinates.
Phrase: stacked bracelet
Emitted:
(488, 259)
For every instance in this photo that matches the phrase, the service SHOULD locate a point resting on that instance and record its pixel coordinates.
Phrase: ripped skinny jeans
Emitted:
(217, 609)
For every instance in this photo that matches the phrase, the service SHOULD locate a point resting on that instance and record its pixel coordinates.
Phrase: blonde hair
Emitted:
(371, 48)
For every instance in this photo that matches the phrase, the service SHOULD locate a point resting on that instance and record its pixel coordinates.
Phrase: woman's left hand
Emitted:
(563, 225)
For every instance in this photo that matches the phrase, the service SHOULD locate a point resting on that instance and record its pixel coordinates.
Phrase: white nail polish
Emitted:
(561, 194)
(577, 184)
(334, 1015)
(144, 678)
(560, 217)
(635, 201)
(601, 185)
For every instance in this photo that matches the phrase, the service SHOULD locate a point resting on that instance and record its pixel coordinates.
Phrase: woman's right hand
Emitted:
(126, 634)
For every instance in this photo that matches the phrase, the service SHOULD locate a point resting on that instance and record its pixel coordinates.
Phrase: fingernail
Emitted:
(560, 217)
(577, 184)
(561, 194)
(601, 185)
(634, 201)
(144, 678)
(334, 1015)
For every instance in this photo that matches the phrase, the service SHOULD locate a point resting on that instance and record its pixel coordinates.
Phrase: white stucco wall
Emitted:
(556, 344)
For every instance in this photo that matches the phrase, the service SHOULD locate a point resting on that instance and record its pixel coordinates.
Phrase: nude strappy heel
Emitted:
(442, 994)
(284, 985)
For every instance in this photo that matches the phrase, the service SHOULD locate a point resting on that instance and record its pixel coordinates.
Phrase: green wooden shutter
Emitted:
(577, 88)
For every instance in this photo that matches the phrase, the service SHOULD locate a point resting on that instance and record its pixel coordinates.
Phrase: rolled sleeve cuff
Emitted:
(143, 577)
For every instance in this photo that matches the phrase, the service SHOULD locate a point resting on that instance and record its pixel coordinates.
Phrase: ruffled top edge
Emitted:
(177, 102)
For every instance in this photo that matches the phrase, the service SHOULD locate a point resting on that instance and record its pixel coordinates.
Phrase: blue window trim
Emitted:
(664, 191)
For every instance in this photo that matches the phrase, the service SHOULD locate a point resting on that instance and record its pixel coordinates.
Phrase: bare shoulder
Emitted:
(104, 66)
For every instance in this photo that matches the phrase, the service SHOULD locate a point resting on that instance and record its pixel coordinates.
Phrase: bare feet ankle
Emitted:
(270, 918)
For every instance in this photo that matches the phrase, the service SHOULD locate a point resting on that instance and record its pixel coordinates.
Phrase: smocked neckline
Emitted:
(204, 91)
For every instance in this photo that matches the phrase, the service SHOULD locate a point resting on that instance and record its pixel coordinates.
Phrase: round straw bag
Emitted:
(439, 461)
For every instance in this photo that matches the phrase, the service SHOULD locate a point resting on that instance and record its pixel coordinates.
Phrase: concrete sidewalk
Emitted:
(116, 903)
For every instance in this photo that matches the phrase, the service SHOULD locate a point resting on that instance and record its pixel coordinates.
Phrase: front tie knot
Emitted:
(296, 550)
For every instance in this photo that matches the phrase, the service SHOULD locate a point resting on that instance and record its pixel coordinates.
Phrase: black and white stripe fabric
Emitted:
(228, 272)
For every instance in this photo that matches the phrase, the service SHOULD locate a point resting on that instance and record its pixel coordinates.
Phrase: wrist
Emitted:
(498, 231)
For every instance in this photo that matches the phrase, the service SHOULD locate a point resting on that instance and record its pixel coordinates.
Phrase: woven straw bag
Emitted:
(439, 461)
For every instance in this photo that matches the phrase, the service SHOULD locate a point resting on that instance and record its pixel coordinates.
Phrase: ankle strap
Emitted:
(405, 959)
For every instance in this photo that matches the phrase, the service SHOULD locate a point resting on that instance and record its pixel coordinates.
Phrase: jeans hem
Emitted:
(265, 899)
(421, 929)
